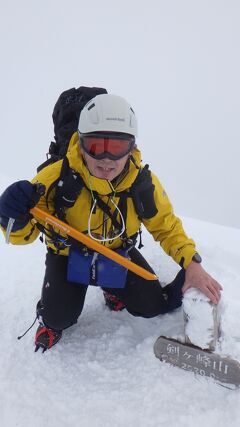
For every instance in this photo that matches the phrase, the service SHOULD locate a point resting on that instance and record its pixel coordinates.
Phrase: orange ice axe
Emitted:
(92, 244)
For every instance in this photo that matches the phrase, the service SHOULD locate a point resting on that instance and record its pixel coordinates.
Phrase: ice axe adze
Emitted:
(92, 244)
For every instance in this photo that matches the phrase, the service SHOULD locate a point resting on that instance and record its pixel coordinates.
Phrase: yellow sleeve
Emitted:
(30, 232)
(166, 228)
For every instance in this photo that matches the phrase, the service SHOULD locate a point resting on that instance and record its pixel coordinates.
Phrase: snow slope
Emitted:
(103, 372)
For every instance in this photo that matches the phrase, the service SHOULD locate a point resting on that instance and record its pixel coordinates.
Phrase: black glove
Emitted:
(16, 202)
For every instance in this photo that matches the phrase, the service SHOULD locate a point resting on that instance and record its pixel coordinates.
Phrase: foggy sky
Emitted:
(176, 62)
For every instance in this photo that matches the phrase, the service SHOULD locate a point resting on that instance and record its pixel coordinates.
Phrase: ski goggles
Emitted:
(100, 146)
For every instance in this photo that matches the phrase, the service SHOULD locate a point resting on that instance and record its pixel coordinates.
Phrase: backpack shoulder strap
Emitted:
(70, 184)
(67, 188)
(142, 193)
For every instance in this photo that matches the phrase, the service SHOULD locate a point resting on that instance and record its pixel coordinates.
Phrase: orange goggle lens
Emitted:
(100, 147)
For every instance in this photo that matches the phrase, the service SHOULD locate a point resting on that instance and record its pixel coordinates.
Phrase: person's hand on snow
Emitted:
(197, 277)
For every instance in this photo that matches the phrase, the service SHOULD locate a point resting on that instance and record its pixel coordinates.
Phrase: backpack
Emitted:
(65, 117)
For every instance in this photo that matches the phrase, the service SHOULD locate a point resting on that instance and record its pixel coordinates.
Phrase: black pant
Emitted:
(62, 301)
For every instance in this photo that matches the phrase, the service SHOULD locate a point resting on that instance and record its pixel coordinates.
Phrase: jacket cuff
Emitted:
(187, 258)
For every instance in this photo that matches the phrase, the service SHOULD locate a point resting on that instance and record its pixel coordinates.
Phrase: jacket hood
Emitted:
(101, 186)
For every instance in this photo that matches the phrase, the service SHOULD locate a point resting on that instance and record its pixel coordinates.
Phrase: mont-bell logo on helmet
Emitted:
(116, 119)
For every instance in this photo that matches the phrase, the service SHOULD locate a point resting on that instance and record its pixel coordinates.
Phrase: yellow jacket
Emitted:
(165, 227)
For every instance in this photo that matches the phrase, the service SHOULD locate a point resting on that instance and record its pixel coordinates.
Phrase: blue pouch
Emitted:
(95, 269)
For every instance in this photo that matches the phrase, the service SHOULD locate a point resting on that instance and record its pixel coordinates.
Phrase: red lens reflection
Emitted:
(98, 146)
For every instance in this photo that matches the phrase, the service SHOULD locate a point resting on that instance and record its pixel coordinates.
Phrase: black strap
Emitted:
(67, 189)
(142, 193)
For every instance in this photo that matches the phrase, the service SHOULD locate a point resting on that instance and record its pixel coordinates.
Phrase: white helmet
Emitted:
(108, 113)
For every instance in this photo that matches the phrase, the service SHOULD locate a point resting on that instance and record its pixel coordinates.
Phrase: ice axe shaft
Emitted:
(92, 244)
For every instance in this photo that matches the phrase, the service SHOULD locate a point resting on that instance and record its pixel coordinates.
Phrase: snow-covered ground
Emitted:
(103, 372)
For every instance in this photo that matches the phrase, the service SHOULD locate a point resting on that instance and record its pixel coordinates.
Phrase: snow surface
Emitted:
(103, 372)
(202, 316)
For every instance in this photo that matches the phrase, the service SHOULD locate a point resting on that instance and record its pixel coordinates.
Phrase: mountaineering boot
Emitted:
(46, 337)
(112, 302)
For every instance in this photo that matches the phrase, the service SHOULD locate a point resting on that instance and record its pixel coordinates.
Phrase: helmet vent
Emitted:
(91, 106)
